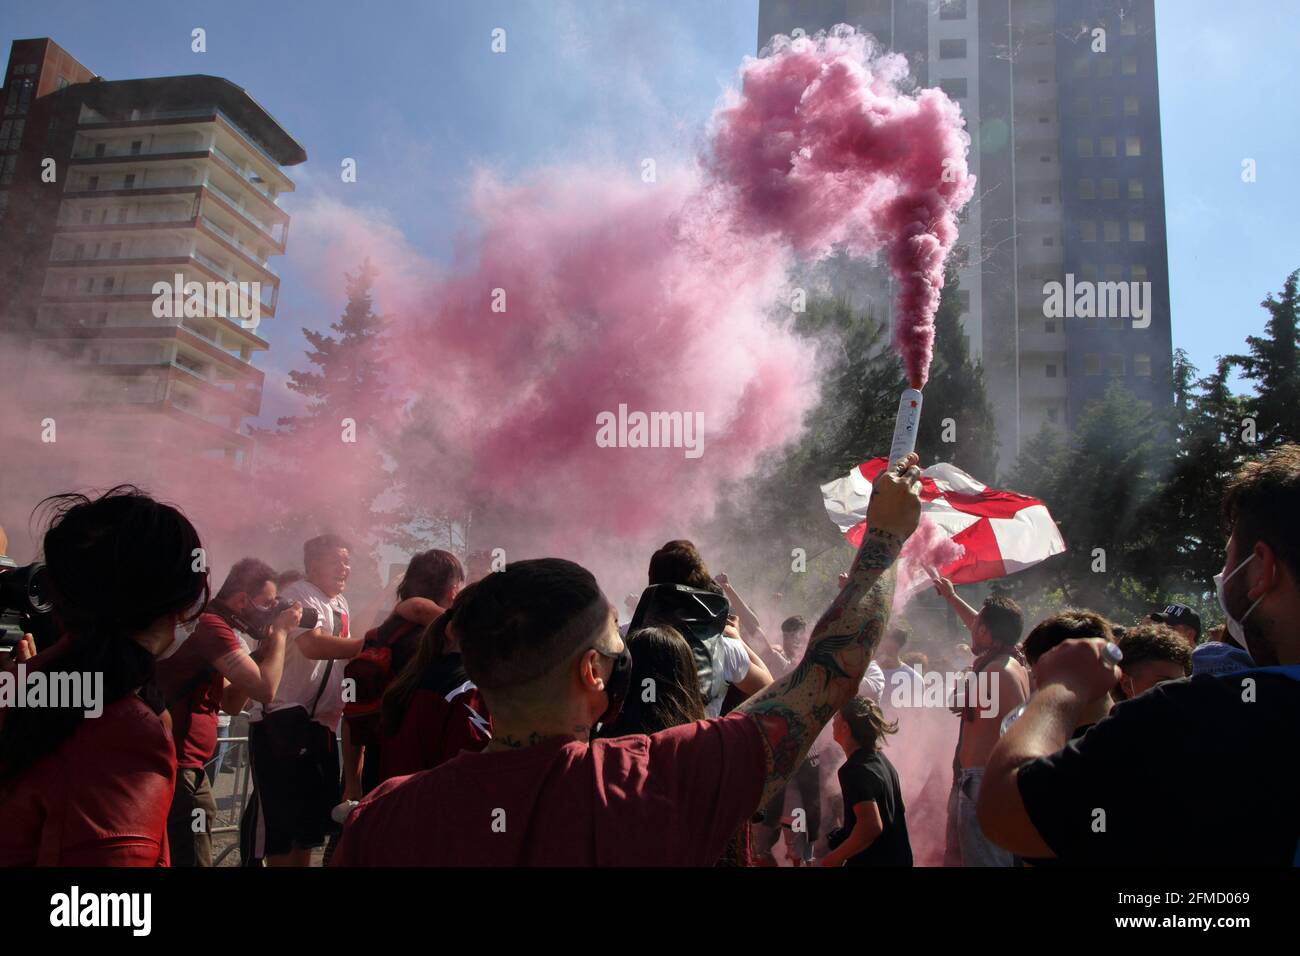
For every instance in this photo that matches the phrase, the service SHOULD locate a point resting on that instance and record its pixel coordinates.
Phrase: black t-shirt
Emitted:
(870, 776)
(1200, 771)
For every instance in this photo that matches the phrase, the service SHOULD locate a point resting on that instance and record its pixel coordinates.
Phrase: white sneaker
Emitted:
(340, 813)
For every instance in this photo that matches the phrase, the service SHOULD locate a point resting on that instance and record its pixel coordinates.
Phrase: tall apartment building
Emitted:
(1066, 148)
(109, 187)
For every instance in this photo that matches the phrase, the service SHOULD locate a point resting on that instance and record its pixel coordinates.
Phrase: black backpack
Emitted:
(699, 616)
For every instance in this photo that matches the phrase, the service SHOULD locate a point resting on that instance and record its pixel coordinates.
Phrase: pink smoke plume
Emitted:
(928, 548)
(579, 289)
(823, 147)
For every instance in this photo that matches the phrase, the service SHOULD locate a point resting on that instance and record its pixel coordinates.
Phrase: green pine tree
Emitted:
(1273, 364)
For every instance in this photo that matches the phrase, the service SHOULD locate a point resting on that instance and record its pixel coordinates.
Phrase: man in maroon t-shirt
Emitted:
(541, 642)
(212, 669)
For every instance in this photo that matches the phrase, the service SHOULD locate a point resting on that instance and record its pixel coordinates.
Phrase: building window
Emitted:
(129, 181)
(136, 146)
(952, 49)
(1137, 230)
(1142, 365)
(1048, 241)
(1115, 365)
(1135, 189)
(1133, 146)
(92, 183)
(1083, 148)
(115, 251)
(1088, 231)
(1087, 189)
(99, 149)
(1044, 120)
(1114, 272)
(1110, 189)
(1106, 66)
(1128, 26)
(121, 214)
(1051, 371)
(1089, 271)
(1117, 322)
(952, 10)
(1130, 106)
(1083, 106)
(79, 251)
(1108, 147)
(85, 215)
(1138, 272)
(1091, 363)
(1110, 232)
(1044, 159)
(954, 87)
(1051, 414)
(1106, 105)
(1128, 65)
(108, 284)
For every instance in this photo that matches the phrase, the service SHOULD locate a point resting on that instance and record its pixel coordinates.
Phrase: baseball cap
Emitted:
(1179, 614)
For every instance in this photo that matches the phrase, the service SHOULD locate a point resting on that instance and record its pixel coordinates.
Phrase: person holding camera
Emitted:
(212, 670)
(296, 769)
(88, 782)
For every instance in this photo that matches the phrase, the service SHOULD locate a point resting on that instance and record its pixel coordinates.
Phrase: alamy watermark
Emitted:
(1084, 299)
(946, 689)
(204, 300)
(77, 690)
(651, 430)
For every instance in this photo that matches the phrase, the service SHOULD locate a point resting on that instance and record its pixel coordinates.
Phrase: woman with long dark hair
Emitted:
(665, 692)
(663, 669)
(88, 782)
(432, 710)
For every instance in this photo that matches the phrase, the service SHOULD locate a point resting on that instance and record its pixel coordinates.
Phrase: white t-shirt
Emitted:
(302, 676)
(904, 687)
(873, 682)
(735, 667)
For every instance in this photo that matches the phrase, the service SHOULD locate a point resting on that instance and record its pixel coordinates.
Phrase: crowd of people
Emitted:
(509, 717)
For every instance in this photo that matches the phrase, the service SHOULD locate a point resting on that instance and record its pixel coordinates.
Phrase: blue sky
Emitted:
(412, 91)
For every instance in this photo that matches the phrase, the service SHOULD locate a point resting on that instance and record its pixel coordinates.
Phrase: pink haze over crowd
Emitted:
(669, 295)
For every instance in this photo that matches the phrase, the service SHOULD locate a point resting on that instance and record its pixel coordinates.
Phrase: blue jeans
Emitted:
(967, 845)
(223, 747)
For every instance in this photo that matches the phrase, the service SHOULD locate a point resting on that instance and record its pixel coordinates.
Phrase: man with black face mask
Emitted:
(541, 643)
(1119, 793)
(213, 669)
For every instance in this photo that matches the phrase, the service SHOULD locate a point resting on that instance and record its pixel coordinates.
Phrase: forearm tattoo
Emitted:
(791, 712)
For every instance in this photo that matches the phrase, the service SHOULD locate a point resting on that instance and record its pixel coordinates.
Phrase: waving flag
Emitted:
(1000, 532)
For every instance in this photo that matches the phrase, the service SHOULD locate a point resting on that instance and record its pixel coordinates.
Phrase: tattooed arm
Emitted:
(791, 712)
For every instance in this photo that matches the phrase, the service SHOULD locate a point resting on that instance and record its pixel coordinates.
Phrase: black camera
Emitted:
(25, 604)
(259, 620)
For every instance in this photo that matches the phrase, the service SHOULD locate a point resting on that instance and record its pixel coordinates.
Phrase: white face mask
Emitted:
(1234, 626)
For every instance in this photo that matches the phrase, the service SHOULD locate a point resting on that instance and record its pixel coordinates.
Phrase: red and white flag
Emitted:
(1000, 532)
